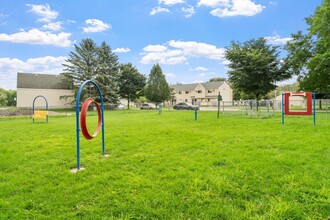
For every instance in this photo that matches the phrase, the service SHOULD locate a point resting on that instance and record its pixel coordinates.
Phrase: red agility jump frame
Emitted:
(310, 104)
(309, 100)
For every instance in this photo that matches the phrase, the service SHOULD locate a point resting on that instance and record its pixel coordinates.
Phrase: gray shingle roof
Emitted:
(190, 87)
(40, 81)
(212, 85)
(184, 87)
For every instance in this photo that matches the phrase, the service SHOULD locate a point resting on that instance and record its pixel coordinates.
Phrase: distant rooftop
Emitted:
(192, 86)
(40, 81)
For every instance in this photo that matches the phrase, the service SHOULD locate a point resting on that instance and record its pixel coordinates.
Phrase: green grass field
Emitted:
(166, 166)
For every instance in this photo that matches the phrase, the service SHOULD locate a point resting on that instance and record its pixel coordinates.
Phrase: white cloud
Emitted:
(196, 49)
(226, 62)
(95, 25)
(179, 51)
(200, 68)
(10, 66)
(161, 54)
(71, 21)
(277, 40)
(55, 26)
(213, 3)
(201, 74)
(170, 75)
(189, 11)
(43, 11)
(121, 50)
(155, 48)
(238, 7)
(159, 9)
(35, 36)
(170, 2)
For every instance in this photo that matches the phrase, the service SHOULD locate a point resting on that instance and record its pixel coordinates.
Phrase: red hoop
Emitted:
(83, 125)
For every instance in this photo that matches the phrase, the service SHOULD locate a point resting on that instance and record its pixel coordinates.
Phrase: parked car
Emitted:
(148, 106)
(184, 105)
(120, 106)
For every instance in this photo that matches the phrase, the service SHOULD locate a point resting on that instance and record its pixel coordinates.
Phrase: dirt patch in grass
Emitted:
(21, 112)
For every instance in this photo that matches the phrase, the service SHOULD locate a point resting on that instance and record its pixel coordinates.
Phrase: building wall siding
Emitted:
(25, 98)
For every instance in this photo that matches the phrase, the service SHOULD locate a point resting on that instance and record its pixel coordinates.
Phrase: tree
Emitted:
(157, 89)
(90, 62)
(217, 79)
(131, 83)
(3, 98)
(255, 67)
(81, 65)
(107, 73)
(11, 97)
(309, 54)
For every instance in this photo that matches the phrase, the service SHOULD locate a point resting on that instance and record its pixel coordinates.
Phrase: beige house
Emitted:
(30, 85)
(202, 93)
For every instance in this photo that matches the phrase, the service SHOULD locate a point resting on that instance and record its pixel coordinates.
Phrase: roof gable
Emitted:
(40, 81)
(190, 87)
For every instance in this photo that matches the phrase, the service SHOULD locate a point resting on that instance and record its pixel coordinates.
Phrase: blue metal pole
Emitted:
(314, 112)
(282, 108)
(77, 118)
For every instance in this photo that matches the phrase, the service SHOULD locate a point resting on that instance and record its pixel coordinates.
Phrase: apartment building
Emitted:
(202, 93)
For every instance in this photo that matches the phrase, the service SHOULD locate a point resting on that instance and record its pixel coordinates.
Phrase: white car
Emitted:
(121, 106)
(148, 106)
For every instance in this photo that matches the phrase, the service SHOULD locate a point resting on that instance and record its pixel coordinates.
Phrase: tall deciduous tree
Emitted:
(157, 89)
(217, 79)
(3, 97)
(309, 54)
(131, 83)
(255, 67)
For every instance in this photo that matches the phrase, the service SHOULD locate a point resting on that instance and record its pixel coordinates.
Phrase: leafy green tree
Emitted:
(309, 54)
(217, 79)
(255, 67)
(131, 83)
(11, 97)
(157, 89)
(3, 97)
(107, 74)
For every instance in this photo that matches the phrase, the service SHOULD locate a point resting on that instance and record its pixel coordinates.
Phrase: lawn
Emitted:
(166, 166)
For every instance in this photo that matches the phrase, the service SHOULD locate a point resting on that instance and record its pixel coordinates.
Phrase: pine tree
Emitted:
(90, 62)
(107, 74)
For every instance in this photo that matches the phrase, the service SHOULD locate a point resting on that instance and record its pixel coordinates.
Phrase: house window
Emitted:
(186, 100)
(180, 93)
(187, 92)
(199, 91)
(209, 91)
(208, 100)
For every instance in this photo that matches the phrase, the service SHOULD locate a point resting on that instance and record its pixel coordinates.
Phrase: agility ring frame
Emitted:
(77, 118)
(33, 106)
(310, 105)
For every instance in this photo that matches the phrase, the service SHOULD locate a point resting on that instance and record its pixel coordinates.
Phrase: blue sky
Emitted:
(186, 37)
